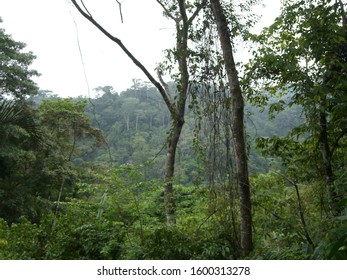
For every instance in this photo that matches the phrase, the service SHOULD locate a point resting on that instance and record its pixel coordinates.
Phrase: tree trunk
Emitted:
(237, 129)
(234, 236)
(136, 122)
(326, 156)
(170, 206)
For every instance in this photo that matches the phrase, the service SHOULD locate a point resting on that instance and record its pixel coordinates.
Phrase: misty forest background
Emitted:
(82, 178)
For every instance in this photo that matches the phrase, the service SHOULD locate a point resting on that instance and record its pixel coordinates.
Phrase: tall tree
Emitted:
(183, 13)
(15, 75)
(15, 85)
(20, 136)
(238, 133)
(66, 123)
(303, 55)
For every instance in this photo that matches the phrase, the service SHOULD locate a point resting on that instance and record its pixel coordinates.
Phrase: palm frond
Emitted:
(13, 113)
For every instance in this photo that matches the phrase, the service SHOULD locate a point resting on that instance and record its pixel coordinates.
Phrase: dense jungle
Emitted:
(223, 160)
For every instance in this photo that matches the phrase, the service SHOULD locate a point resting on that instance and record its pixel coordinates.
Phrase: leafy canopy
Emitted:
(15, 74)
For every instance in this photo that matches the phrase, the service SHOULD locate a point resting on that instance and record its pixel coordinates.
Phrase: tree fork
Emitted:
(176, 109)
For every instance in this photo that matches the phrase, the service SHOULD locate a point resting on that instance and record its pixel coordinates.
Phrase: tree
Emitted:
(20, 140)
(183, 13)
(238, 134)
(15, 83)
(15, 75)
(128, 108)
(66, 123)
(303, 56)
(20, 136)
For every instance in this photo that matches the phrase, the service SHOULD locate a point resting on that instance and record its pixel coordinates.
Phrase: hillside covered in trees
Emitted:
(216, 163)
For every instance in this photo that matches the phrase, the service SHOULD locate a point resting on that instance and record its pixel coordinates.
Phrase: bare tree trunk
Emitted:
(234, 235)
(56, 212)
(237, 129)
(170, 206)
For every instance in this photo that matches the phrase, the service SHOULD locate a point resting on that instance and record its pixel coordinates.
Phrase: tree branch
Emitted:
(88, 16)
(197, 11)
(166, 87)
(301, 213)
(183, 11)
(120, 10)
(336, 142)
(84, 6)
(167, 12)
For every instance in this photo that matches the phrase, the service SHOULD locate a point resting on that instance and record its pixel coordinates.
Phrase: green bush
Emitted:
(22, 240)
(90, 241)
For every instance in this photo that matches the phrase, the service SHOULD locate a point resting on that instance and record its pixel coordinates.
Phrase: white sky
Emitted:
(48, 29)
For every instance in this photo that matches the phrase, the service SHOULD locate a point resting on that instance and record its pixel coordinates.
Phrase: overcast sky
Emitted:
(48, 28)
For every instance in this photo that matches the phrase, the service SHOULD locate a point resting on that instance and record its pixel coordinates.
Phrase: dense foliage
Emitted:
(83, 178)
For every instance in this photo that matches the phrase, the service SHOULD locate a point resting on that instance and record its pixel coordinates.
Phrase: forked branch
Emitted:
(116, 40)
(168, 13)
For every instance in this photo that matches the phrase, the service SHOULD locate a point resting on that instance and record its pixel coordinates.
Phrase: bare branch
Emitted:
(166, 87)
(120, 10)
(86, 9)
(116, 40)
(183, 11)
